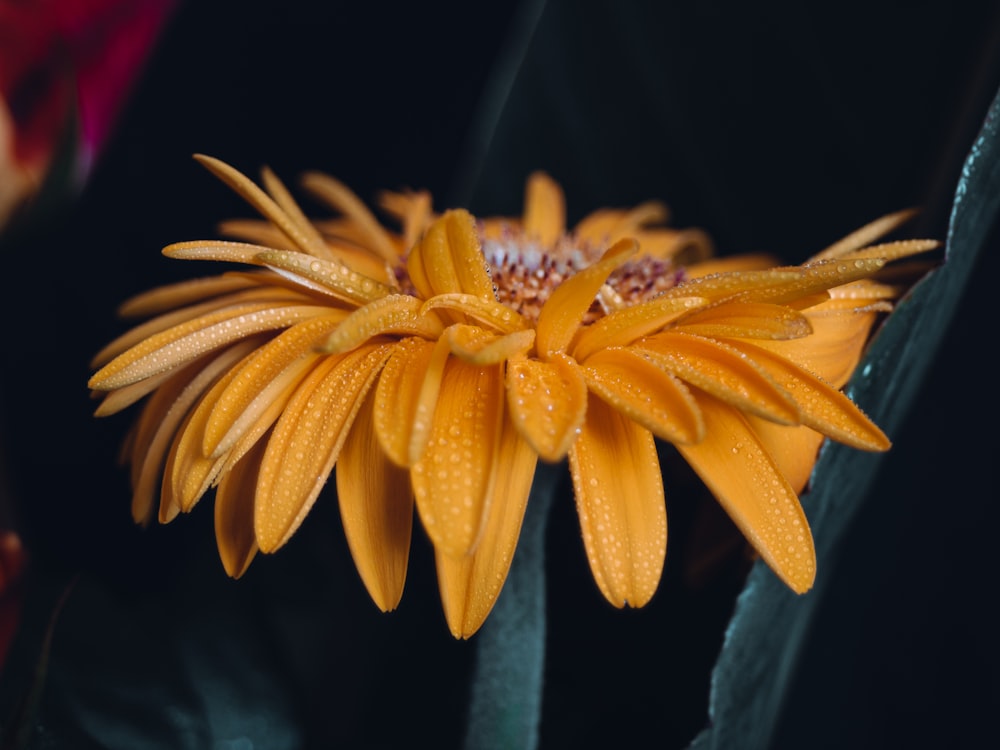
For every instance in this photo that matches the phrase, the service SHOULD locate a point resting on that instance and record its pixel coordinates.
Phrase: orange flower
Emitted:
(440, 374)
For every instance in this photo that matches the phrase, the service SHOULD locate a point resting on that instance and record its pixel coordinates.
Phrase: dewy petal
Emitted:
(815, 279)
(757, 320)
(793, 448)
(748, 484)
(453, 480)
(449, 259)
(263, 203)
(563, 312)
(487, 312)
(307, 440)
(476, 346)
(376, 508)
(234, 527)
(866, 234)
(715, 286)
(646, 394)
(470, 585)
(338, 195)
(629, 323)
(722, 371)
(395, 314)
(187, 341)
(397, 396)
(256, 376)
(276, 188)
(331, 277)
(544, 209)
(821, 407)
(547, 402)
(620, 502)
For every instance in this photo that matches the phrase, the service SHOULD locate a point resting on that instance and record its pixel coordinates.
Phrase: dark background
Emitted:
(774, 129)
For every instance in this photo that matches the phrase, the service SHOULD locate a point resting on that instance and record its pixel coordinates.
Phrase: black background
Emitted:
(773, 128)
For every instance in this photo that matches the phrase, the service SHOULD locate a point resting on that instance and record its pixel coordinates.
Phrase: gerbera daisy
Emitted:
(439, 364)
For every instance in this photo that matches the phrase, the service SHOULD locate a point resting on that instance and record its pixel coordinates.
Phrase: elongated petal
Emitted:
(815, 279)
(258, 375)
(722, 371)
(620, 502)
(866, 234)
(307, 440)
(234, 528)
(396, 314)
(563, 312)
(277, 190)
(646, 394)
(376, 508)
(338, 195)
(470, 585)
(748, 484)
(187, 341)
(476, 346)
(449, 259)
(489, 313)
(331, 277)
(263, 203)
(715, 286)
(397, 396)
(821, 406)
(547, 403)
(630, 323)
(757, 320)
(453, 480)
(794, 448)
(544, 209)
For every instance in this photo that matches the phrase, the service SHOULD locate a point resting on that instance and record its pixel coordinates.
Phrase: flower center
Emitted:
(526, 272)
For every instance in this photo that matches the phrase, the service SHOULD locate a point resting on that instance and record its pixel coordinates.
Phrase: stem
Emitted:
(505, 707)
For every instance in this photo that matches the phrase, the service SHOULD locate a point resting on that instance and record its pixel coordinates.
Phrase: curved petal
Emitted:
(619, 499)
(470, 585)
(794, 448)
(646, 394)
(755, 320)
(307, 440)
(453, 480)
(376, 508)
(821, 406)
(630, 323)
(450, 259)
(547, 403)
(330, 277)
(488, 313)
(745, 480)
(394, 314)
(397, 396)
(563, 312)
(477, 346)
(722, 371)
(544, 209)
(234, 528)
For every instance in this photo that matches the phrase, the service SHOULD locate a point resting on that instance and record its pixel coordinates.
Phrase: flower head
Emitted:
(436, 365)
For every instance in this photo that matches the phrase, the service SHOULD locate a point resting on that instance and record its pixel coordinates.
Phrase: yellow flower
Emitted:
(440, 374)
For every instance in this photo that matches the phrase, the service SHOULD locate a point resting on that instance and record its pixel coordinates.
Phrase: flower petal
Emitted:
(476, 346)
(307, 440)
(563, 312)
(453, 480)
(547, 402)
(376, 508)
(234, 527)
(722, 371)
(449, 259)
(794, 448)
(646, 394)
(258, 376)
(397, 395)
(630, 323)
(619, 499)
(187, 341)
(544, 209)
(821, 406)
(746, 481)
(330, 277)
(396, 314)
(756, 320)
(866, 234)
(489, 313)
(470, 585)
